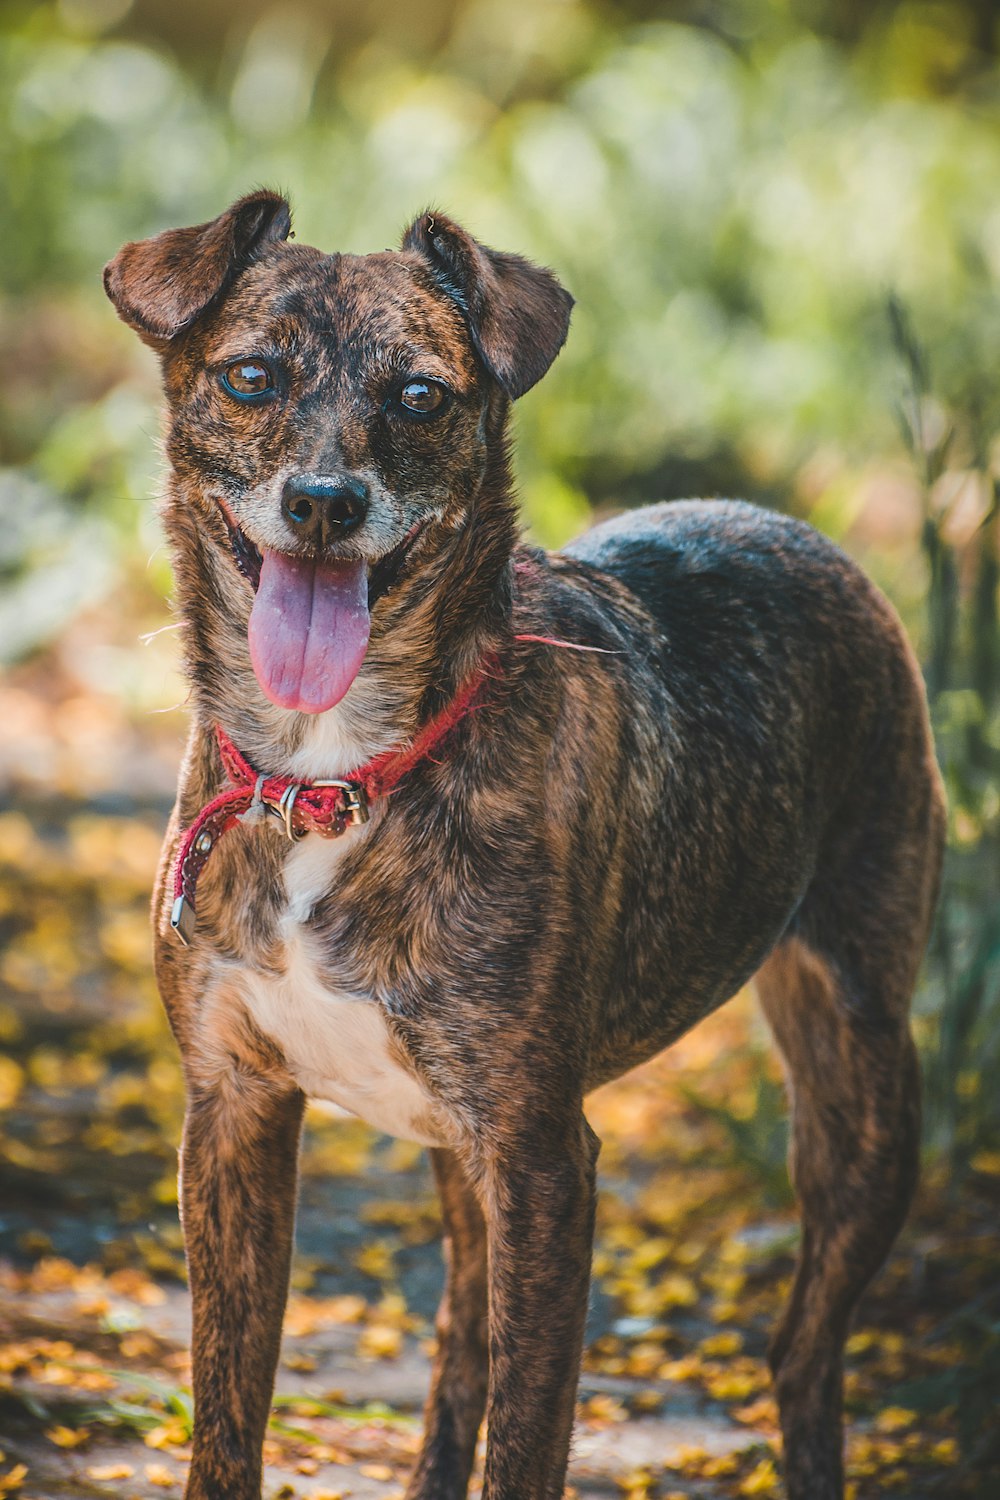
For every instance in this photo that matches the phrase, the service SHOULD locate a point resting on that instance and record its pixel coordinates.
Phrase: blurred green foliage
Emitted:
(961, 998)
(733, 190)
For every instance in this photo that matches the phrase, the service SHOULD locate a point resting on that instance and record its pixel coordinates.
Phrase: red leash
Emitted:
(325, 807)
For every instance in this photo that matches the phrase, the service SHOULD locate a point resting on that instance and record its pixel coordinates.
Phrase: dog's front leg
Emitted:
(540, 1200)
(238, 1183)
(458, 1385)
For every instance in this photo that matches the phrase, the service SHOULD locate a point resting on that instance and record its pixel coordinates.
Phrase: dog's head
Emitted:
(332, 417)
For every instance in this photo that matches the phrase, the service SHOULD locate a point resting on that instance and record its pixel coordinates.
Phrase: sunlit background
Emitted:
(781, 223)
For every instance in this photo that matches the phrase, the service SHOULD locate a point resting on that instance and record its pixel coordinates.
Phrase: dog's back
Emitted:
(778, 653)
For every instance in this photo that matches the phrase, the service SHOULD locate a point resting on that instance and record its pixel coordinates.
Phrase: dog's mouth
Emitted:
(311, 617)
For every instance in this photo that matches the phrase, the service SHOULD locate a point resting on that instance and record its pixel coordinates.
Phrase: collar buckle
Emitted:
(355, 799)
(355, 806)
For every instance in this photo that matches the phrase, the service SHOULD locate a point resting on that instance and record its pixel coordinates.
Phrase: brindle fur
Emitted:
(611, 845)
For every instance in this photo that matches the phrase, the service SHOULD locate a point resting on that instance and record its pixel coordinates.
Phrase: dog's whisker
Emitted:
(150, 635)
(171, 708)
(551, 640)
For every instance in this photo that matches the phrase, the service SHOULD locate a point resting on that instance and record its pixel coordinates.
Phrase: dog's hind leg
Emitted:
(457, 1398)
(837, 996)
(855, 1119)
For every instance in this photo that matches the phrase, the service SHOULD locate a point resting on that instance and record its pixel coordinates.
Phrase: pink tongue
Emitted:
(308, 630)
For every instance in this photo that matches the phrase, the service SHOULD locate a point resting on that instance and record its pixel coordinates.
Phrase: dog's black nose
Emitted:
(322, 508)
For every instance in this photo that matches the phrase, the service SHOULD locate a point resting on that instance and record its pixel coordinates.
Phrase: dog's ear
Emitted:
(159, 286)
(517, 313)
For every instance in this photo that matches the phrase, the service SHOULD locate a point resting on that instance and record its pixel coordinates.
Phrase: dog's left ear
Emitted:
(517, 313)
(161, 285)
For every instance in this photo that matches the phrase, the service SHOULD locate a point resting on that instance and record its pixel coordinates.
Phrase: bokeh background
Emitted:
(781, 224)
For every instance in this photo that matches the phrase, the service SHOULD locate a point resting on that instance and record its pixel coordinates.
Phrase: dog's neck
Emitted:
(451, 609)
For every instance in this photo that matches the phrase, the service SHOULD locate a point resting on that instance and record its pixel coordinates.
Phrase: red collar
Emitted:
(324, 807)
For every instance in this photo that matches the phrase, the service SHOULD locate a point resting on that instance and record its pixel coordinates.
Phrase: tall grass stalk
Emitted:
(960, 1000)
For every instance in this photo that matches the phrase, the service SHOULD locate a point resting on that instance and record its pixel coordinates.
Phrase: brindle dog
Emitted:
(735, 777)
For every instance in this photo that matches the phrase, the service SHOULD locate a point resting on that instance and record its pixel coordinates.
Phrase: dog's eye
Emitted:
(422, 396)
(248, 377)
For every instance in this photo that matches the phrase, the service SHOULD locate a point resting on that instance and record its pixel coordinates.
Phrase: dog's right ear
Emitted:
(159, 286)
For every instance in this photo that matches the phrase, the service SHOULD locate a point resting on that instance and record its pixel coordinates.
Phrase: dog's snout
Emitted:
(322, 508)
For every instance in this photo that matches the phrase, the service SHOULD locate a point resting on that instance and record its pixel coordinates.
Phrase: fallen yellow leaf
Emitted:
(171, 1435)
(67, 1437)
(161, 1476)
(722, 1344)
(11, 1081)
(376, 1259)
(715, 1468)
(378, 1341)
(763, 1480)
(892, 1418)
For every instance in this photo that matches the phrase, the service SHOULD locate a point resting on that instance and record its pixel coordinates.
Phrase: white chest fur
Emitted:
(336, 1045)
